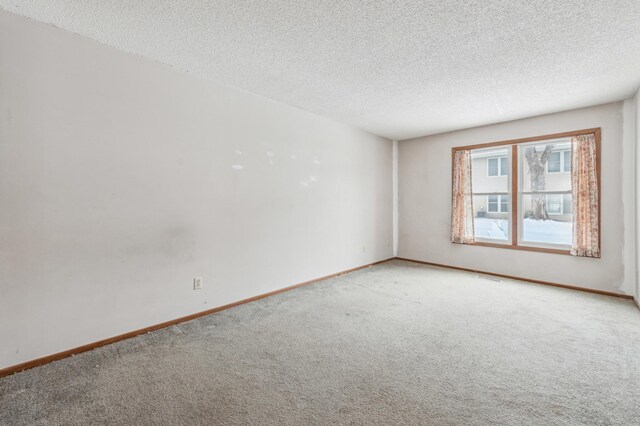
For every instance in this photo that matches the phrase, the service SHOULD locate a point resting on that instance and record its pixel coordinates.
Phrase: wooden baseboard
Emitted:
(64, 354)
(511, 277)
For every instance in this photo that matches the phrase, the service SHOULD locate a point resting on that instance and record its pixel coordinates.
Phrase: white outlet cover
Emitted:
(197, 283)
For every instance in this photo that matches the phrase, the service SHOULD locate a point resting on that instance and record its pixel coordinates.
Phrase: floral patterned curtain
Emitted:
(584, 182)
(462, 200)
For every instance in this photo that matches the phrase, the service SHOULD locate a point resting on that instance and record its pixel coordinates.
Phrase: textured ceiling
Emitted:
(397, 68)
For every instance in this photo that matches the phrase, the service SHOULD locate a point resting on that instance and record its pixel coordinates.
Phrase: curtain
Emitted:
(462, 200)
(584, 183)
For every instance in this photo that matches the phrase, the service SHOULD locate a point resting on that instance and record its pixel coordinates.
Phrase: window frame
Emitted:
(514, 194)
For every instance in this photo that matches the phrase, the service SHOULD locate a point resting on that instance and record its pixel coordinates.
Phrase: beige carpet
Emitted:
(398, 343)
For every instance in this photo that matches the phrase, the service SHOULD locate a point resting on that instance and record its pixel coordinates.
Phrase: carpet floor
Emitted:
(397, 343)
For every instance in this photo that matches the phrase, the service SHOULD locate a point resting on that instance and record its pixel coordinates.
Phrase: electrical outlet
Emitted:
(197, 283)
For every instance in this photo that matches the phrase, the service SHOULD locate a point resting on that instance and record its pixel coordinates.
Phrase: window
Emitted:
(559, 161)
(498, 203)
(554, 204)
(558, 204)
(497, 166)
(532, 208)
(554, 163)
(491, 195)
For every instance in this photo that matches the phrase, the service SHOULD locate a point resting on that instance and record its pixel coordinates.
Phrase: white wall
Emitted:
(425, 199)
(118, 186)
(629, 194)
(637, 193)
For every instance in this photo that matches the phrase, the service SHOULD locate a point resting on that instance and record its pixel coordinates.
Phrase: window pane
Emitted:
(543, 211)
(554, 204)
(567, 204)
(504, 167)
(532, 176)
(489, 224)
(492, 167)
(494, 229)
(567, 161)
(491, 217)
(558, 229)
(553, 164)
(492, 207)
(504, 203)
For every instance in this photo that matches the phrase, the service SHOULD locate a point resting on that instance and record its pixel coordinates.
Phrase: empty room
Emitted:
(229, 212)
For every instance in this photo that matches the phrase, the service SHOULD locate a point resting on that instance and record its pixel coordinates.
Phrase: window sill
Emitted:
(521, 248)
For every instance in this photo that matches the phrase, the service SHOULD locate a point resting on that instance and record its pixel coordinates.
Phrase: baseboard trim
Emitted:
(512, 277)
(84, 348)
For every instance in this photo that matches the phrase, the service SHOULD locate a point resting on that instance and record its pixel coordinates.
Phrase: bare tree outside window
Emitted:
(537, 162)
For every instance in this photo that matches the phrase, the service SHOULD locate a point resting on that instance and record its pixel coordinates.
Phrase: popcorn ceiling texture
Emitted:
(399, 69)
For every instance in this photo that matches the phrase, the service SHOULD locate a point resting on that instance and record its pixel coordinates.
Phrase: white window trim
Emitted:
(546, 166)
(499, 167)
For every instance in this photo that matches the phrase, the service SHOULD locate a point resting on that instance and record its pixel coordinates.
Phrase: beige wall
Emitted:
(122, 179)
(629, 186)
(635, 102)
(424, 182)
